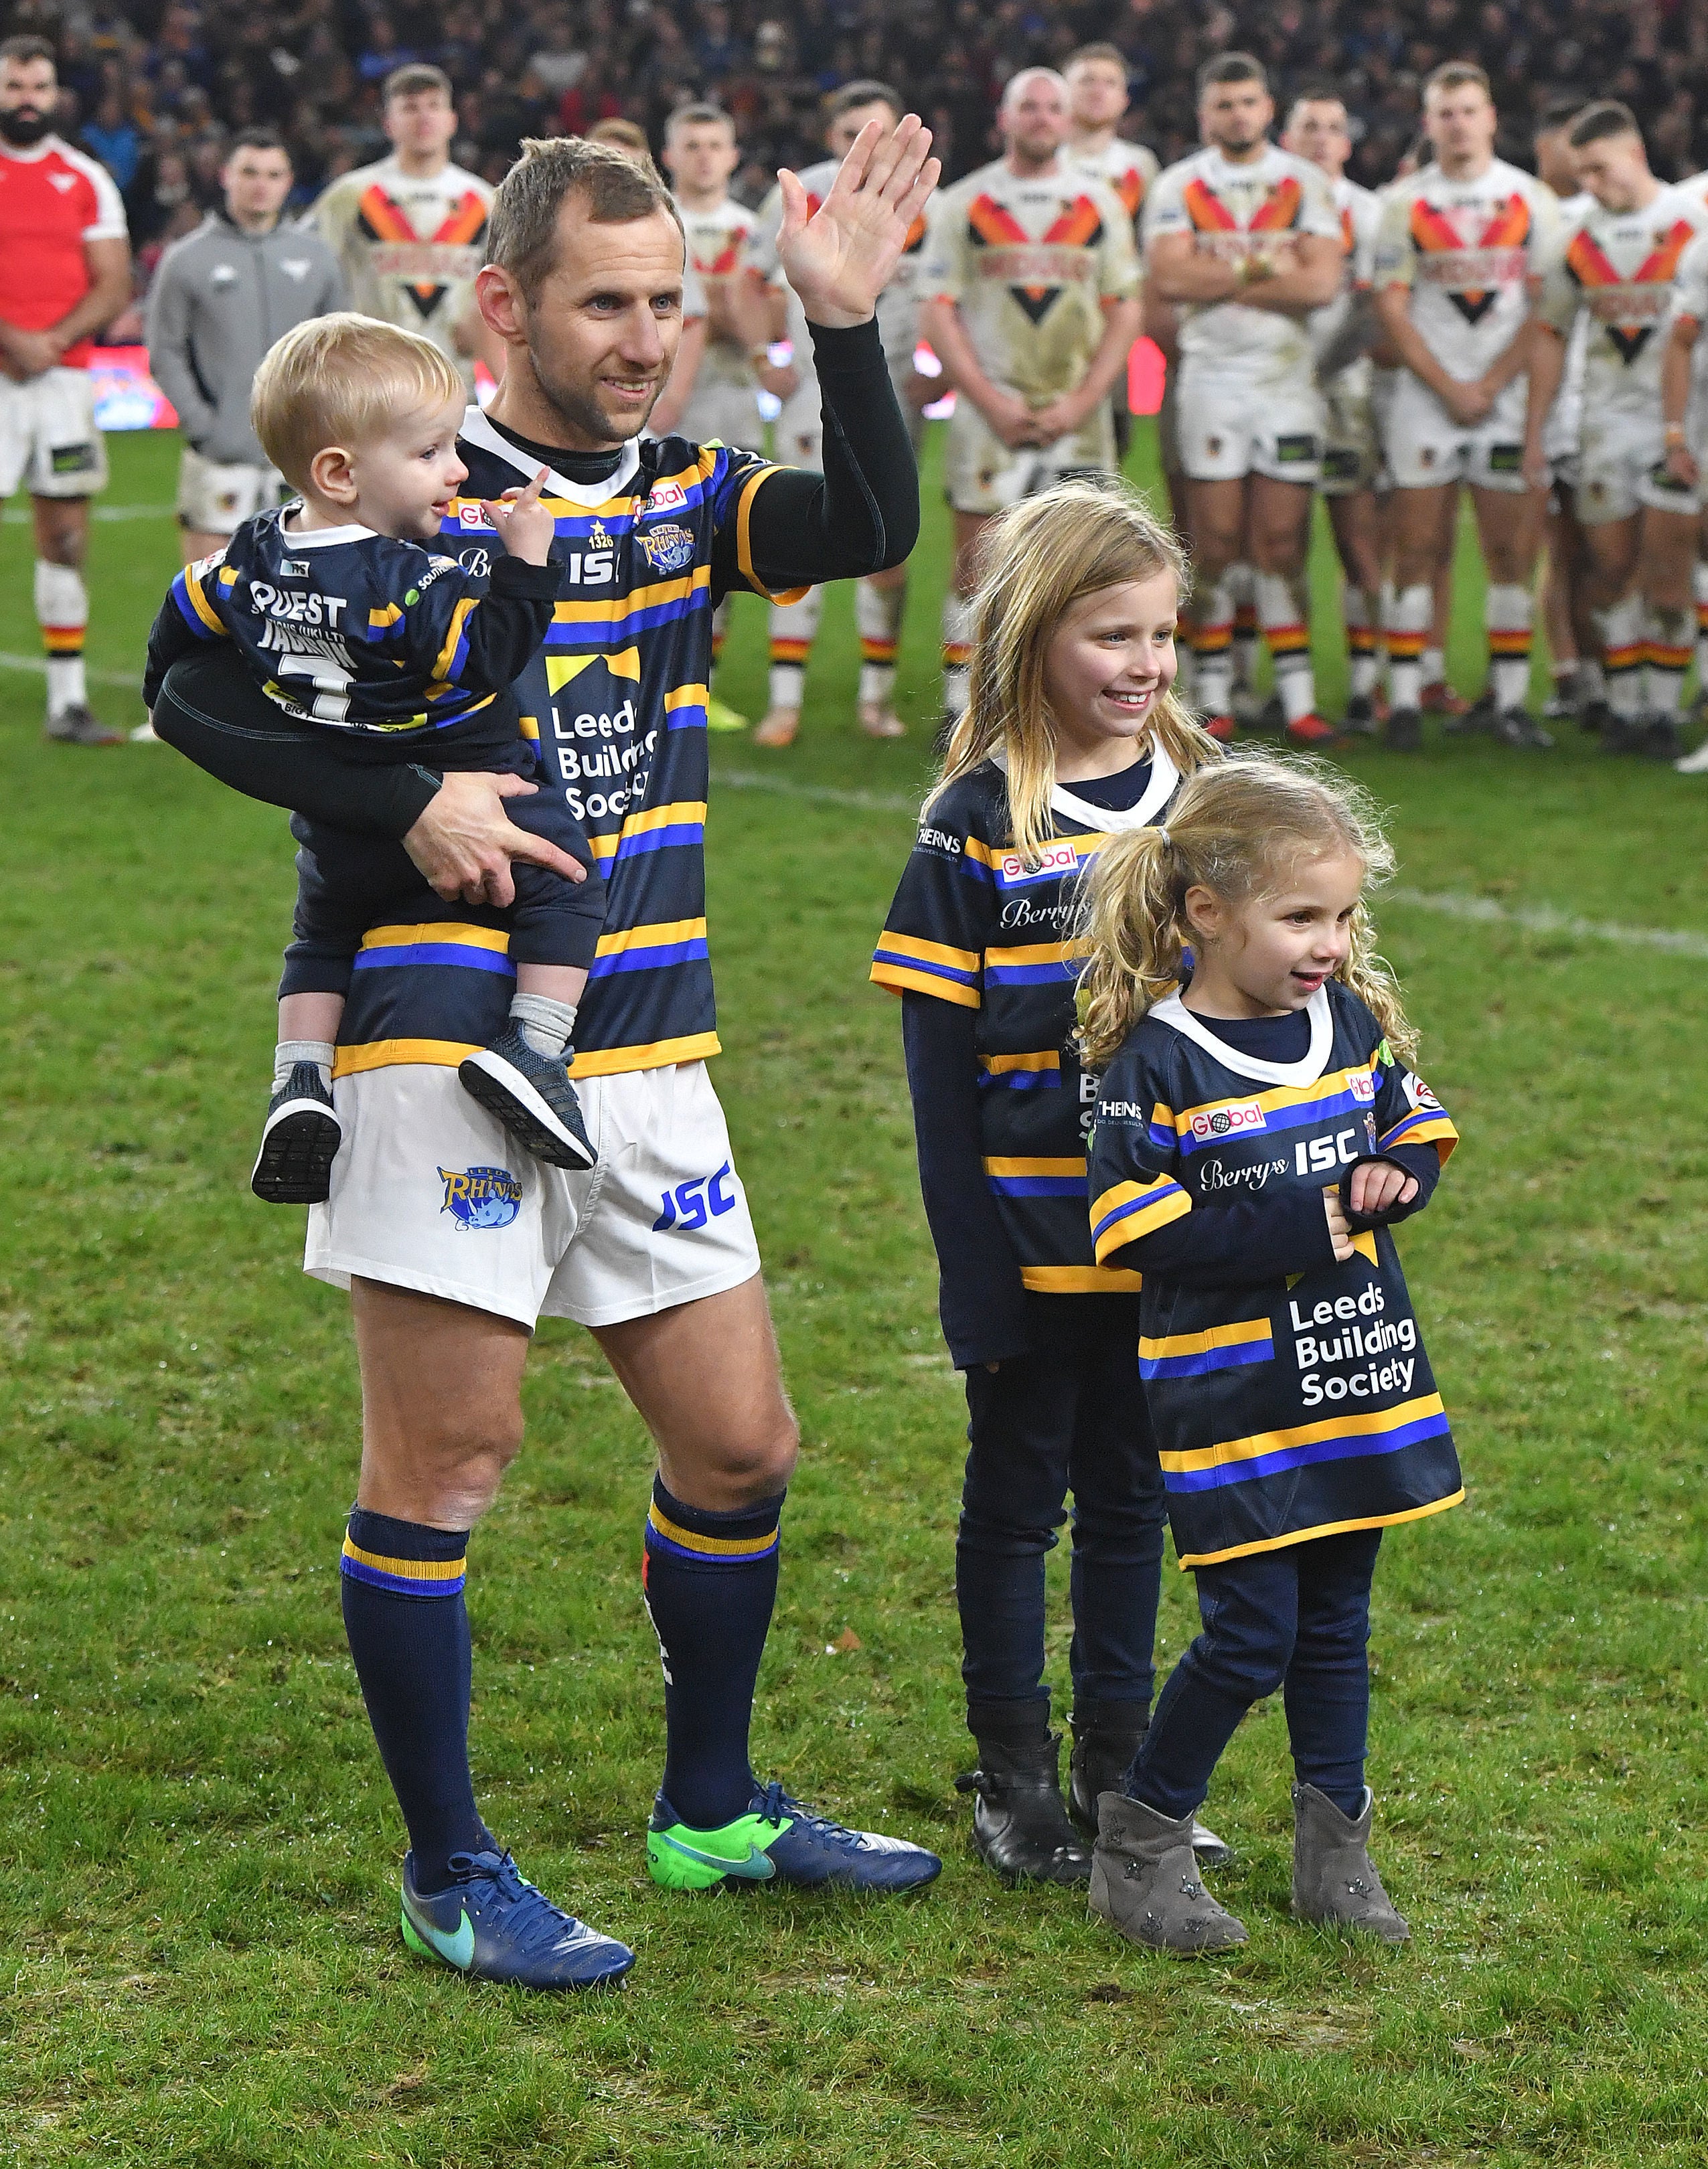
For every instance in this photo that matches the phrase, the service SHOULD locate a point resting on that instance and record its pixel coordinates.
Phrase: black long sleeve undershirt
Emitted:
(860, 515)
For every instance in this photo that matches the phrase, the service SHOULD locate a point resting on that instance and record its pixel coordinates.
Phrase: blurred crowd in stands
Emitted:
(155, 88)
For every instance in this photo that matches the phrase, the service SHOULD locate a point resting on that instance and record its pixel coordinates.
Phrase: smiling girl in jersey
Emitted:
(1258, 1128)
(1073, 737)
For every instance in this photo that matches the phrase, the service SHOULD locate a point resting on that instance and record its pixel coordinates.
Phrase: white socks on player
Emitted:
(794, 626)
(877, 613)
(1507, 614)
(289, 1052)
(1364, 661)
(1243, 583)
(958, 654)
(1281, 612)
(1621, 628)
(545, 1025)
(1406, 615)
(1666, 658)
(62, 612)
(1700, 588)
(1213, 644)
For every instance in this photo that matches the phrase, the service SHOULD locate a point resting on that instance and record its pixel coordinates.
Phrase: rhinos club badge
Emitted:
(669, 548)
(481, 1197)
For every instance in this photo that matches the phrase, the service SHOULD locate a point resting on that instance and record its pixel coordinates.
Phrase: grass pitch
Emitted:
(199, 1849)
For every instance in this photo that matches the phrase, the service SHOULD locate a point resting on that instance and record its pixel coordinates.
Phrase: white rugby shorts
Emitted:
(1228, 428)
(1622, 470)
(48, 437)
(215, 498)
(429, 1192)
(800, 427)
(1350, 459)
(1424, 447)
(982, 474)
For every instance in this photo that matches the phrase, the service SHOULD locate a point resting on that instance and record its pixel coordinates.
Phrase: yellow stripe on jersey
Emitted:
(679, 813)
(380, 619)
(1080, 1280)
(743, 540)
(441, 661)
(612, 609)
(661, 935)
(495, 938)
(1134, 1209)
(1170, 1345)
(1004, 1166)
(1188, 1559)
(662, 1054)
(1230, 1451)
(687, 697)
(1279, 1097)
(204, 609)
(1005, 1065)
(401, 1054)
(1034, 953)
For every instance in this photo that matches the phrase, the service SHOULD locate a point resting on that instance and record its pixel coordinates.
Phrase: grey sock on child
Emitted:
(545, 1025)
(289, 1052)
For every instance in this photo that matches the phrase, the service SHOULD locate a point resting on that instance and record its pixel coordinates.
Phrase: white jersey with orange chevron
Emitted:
(1617, 270)
(1028, 262)
(1237, 212)
(898, 305)
(1127, 169)
(1473, 252)
(1359, 211)
(410, 245)
(719, 243)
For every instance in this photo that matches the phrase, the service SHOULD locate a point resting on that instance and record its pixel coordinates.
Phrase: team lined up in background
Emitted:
(1529, 338)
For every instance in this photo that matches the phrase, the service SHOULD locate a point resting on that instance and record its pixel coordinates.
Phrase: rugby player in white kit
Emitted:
(1244, 239)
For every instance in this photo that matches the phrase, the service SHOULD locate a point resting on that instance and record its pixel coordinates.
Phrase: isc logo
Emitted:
(1229, 1122)
(690, 1205)
(1052, 859)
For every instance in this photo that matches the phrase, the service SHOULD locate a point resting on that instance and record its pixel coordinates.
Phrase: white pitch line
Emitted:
(1532, 918)
(16, 516)
(37, 666)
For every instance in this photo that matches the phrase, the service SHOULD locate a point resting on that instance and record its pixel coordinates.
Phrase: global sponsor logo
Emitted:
(1230, 1120)
(1051, 859)
(481, 1197)
(665, 496)
(473, 518)
(1362, 1085)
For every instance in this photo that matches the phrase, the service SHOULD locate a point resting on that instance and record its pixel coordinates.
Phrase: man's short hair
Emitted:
(1101, 50)
(1011, 88)
(627, 135)
(853, 95)
(1457, 74)
(1315, 93)
(522, 234)
(1230, 67)
(341, 379)
(410, 80)
(27, 46)
(1606, 117)
(1560, 113)
(259, 139)
(700, 112)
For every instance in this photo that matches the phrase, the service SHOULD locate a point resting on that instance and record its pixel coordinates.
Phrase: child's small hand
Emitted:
(521, 523)
(1339, 1233)
(1378, 1184)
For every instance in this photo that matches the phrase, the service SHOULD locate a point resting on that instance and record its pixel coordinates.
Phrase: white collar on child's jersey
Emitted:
(318, 538)
(1306, 1070)
(477, 430)
(1164, 779)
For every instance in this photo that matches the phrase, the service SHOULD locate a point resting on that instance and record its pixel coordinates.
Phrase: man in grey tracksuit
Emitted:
(220, 298)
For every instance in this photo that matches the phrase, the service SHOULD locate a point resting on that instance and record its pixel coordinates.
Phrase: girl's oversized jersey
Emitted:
(616, 704)
(1305, 1406)
(1235, 212)
(1029, 262)
(1471, 252)
(972, 924)
(1619, 270)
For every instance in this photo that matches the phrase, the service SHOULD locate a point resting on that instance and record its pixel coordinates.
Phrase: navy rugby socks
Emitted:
(408, 1626)
(710, 1581)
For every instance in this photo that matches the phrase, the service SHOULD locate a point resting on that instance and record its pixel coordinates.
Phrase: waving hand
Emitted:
(840, 260)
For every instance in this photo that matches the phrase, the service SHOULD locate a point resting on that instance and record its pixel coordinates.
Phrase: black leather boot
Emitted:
(1106, 1739)
(1020, 1826)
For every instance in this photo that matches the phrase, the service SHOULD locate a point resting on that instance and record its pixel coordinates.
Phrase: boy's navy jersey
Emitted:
(362, 633)
(974, 925)
(615, 705)
(1305, 1406)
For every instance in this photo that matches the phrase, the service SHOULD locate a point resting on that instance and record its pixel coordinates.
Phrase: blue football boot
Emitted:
(494, 1924)
(779, 1840)
(532, 1095)
(299, 1141)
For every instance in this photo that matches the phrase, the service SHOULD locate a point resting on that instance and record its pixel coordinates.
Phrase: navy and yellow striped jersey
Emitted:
(1303, 1406)
(615, 705)
(360, 631)
(975, 924)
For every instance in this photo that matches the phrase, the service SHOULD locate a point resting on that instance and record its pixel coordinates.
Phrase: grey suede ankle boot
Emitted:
(1333, 1877)
(1144, 1882)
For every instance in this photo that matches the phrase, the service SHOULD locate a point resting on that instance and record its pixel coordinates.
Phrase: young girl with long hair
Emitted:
(1259, 1126)
(1072, 738)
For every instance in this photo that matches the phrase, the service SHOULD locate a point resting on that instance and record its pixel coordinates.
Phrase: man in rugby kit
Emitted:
(1032, 286)
(1095, 76)
(1685, 419)
(1618, 269)
(880, 600)
(1243, 239)
(67, 272)
(700, 153)
(408, 231)
(1316, 131)
(220, 298)
(452, 1249)
(1574, 643)
(1460, 258)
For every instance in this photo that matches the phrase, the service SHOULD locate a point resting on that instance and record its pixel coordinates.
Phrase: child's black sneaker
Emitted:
(301, 1138)
(532, 1095)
